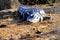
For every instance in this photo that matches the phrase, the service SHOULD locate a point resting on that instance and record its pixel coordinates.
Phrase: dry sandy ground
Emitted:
(45, 30)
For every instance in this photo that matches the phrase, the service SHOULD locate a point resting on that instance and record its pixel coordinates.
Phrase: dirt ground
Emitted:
(12, 28)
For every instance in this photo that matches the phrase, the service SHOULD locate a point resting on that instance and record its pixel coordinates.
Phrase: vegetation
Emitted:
(49, 1)
(37, 1)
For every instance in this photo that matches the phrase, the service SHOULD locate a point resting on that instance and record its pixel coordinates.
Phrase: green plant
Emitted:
(37, 1)
(49, 1)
